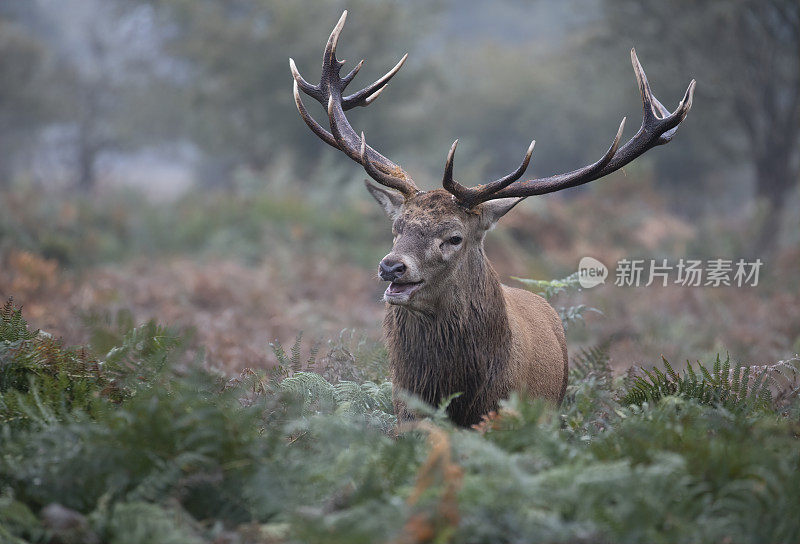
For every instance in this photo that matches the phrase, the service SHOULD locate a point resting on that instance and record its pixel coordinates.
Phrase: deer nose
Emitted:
(391, 270)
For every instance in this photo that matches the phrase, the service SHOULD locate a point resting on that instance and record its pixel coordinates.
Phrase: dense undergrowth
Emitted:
(134, 445)
(80, 231)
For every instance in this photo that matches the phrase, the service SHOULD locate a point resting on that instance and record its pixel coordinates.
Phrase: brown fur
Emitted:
(465, 332)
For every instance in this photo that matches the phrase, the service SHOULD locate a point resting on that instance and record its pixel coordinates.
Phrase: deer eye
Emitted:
(455, 240)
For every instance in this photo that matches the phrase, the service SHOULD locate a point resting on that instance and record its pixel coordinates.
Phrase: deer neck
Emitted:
(461, 347)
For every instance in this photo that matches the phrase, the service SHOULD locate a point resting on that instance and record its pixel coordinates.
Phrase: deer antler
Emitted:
(658, 127)
(342, 136)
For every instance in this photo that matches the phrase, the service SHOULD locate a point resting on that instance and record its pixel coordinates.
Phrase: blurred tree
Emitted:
(745, 55)
(90, 68)
(236, 54)
(110, 54)
(25, 100)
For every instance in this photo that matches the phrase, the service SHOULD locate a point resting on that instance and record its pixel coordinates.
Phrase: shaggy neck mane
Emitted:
(462, 348)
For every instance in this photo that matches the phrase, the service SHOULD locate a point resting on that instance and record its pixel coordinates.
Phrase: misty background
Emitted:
(153, 161)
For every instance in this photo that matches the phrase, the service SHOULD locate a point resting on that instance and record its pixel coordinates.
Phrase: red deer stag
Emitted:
(451, 326)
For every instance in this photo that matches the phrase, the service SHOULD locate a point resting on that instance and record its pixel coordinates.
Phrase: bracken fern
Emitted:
(726, 385)
(190, 457)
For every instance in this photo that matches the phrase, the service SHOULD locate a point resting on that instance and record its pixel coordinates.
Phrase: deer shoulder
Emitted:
(538, 358)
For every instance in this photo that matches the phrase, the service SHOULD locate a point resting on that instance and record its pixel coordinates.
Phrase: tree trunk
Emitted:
(86, 172)
(6, 170)
(774, 180)
(87, 154)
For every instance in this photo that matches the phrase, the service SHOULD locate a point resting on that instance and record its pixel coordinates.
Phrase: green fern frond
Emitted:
(723, 385)
(318, 394)
(591, 361)
(13, 326)
(280, 353)
(291, 363)
(143, 353)
(311, 387)
(550, 288)
(574, 314)
(295, 364)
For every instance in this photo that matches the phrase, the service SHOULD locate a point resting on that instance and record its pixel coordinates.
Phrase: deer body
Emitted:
(451, 327)
(462, 331)
(486, 341)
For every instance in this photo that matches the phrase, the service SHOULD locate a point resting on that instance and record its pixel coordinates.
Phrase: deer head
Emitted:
(438, 235)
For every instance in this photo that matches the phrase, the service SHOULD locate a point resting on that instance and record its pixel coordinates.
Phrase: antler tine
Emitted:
(448, 182)
(369, 100)
(654, 110)
(658, 127)
(475, 195)
(606, 158)
(330, 68)
(349, 77)
(365, 96)
(329, 60)
(315, 127)
(649, 112)
(680, 112)
(342, 136)
(308, 88)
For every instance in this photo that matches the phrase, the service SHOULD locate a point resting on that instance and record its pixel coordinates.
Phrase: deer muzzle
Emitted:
(402, 285)
(391, 269)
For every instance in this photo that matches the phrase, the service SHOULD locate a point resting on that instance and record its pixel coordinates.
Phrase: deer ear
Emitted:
(493, 210)
(390, 201)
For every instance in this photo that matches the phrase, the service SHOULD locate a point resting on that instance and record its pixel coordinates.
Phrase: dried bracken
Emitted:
(439, 472)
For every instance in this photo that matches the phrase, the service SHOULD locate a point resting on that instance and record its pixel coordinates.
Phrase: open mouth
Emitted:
(402, 290)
